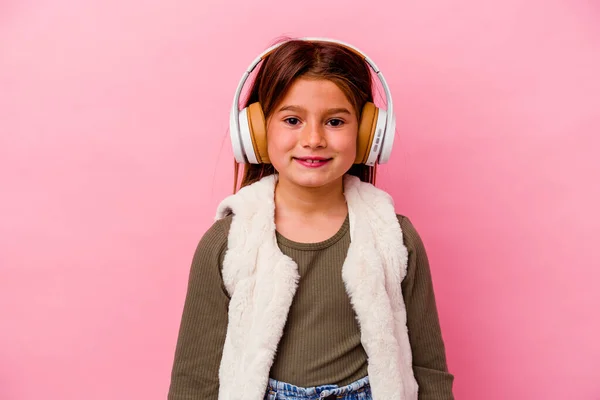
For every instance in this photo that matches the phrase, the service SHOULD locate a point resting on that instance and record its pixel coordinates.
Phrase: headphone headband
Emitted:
(390, 123)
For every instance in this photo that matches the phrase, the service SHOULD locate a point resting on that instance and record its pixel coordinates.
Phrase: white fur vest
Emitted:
(262, 281)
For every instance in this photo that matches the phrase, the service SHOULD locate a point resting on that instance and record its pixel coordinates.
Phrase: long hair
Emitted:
(321, 60)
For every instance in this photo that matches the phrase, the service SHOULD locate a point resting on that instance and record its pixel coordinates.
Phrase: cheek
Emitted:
(345, 143)
(278, 143)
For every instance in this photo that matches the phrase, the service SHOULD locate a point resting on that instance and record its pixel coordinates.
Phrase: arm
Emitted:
(428, 350)
(195, 373)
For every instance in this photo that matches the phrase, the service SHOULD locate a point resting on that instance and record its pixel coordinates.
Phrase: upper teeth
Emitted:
(313, 161)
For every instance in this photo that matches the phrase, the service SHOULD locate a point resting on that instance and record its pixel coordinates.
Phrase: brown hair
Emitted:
(322, 60)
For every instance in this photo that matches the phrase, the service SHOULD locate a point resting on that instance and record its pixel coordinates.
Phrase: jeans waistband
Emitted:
(288, 389)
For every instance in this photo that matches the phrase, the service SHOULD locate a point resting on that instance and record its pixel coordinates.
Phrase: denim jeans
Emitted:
(359, 390)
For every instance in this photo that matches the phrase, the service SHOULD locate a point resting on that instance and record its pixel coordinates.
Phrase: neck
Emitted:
(307, 201)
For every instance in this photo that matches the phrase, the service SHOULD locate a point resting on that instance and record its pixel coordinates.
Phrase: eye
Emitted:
(292, 121)
(335, 122)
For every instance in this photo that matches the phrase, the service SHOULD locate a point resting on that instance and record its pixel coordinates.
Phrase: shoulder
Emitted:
(412, 239)
(214, 241)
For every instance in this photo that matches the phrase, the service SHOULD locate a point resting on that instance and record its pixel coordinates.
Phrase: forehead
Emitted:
(315, 94)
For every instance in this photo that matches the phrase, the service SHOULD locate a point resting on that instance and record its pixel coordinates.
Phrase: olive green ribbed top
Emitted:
(321, 340)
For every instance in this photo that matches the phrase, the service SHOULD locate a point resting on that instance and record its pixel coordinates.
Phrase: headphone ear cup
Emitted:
(246, 137)
(253, 135)
(366, 132)
(258, 132)
(235, 127)
(388, 141)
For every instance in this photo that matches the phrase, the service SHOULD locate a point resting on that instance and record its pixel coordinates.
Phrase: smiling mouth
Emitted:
(312, 162)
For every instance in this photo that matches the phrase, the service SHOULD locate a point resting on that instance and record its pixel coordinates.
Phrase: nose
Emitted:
(313, 136)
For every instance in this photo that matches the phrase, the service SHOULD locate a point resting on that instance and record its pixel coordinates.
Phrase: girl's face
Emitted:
(311, 134)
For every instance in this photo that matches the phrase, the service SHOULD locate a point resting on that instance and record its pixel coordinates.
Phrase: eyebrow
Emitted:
(329, 111)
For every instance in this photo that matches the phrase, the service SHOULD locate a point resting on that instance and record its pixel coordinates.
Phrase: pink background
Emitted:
(114, 153)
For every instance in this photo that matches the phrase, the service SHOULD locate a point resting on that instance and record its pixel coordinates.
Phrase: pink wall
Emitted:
(114, 154)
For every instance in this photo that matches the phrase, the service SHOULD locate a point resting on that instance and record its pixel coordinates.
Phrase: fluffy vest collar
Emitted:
(262, 281)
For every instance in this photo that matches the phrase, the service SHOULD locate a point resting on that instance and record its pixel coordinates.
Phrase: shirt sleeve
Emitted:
(428, 349)
(195, 371)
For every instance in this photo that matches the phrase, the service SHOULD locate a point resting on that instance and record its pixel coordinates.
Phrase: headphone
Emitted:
(248, 129)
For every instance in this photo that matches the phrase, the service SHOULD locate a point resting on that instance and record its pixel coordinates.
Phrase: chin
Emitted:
(313, 181)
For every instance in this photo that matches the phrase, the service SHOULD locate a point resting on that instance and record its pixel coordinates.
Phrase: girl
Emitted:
(309, 285)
